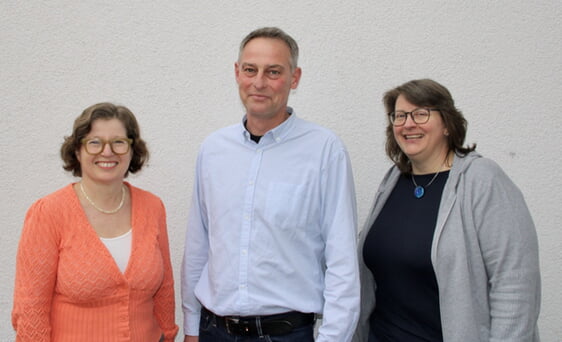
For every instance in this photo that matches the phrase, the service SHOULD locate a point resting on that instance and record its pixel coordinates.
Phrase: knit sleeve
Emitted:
(36, 270)
(164, 299)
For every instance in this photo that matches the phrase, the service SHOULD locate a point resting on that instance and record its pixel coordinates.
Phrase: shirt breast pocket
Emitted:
(288, 206)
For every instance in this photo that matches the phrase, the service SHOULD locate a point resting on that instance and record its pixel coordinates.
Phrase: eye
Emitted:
(274, 73)
(119, 142)
(422, 113)
(94, 142)
(249, 70)
(399, 115)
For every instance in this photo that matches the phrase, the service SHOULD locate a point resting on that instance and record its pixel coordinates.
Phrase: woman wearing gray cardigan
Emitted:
(449, 251)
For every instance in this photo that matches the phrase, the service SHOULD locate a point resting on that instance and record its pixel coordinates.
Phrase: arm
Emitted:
(341, 290)
(36, 272)
(164, 299)
(194, 259)
(510, 251)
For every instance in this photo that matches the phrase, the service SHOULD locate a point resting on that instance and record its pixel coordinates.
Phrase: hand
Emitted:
(191, 339)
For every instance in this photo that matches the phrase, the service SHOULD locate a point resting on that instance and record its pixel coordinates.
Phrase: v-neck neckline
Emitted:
(100, 245)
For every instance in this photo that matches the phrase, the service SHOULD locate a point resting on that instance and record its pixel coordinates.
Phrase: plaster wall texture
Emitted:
(172, 64)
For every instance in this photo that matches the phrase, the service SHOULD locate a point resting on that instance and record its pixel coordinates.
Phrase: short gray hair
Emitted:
(274, 33)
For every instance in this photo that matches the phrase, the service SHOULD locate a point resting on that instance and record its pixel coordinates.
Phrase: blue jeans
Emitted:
(210, 332)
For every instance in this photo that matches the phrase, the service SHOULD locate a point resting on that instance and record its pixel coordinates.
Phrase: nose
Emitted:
(106, 151)
(260, 81)
(409, 120)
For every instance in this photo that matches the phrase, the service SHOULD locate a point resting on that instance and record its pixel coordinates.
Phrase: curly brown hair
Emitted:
(426, 93)
(83, 126)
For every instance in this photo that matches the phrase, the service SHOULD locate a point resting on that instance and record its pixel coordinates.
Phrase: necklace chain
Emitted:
(428, 184)
(113, 211)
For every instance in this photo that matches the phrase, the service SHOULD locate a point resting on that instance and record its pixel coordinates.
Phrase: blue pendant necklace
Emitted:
(419, 190)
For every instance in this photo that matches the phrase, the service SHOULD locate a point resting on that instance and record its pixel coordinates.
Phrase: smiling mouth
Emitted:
(106, 164)
(413, 136)
(259, 96)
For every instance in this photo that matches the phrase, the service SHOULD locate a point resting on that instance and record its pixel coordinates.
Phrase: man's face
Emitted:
(264, 78)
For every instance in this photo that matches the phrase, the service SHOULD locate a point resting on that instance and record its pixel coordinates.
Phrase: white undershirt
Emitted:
(120, 249)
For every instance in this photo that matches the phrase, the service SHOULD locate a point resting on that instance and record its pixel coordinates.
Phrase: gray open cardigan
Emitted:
(484, 254)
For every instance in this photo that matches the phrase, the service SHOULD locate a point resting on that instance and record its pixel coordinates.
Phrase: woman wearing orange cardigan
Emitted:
(93, 261)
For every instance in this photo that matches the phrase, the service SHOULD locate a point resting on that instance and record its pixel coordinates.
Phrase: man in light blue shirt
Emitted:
(271, 237)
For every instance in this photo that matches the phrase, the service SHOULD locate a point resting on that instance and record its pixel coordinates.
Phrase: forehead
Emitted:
(266, 51)
(111, 126)
(403, 104)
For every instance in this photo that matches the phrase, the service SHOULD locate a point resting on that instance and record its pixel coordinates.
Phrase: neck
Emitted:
(433, 166)
(103, 192)
(259, 126)
(105, 201)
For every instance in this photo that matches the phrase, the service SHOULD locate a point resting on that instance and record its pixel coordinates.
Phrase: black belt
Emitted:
(279, 324)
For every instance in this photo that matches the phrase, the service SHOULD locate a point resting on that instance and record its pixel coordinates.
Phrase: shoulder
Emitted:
(483, 165)
(390, 177)
(387, 183)
(147, 209)
(316, 135)
(52, 212)
(143, 196)
(484, 177)
(227, 132)
(226, 137)
(482, 170)
(312, 127)
(55, 201)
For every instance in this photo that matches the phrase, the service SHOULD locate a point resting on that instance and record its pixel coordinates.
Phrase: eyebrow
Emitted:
(100, 138)
(269, 66)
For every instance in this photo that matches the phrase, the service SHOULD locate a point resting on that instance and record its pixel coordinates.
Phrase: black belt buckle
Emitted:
(240, 327)
(229, 323)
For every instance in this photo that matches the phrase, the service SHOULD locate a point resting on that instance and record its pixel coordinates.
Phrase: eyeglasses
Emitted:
(118, 146)
(418, 115)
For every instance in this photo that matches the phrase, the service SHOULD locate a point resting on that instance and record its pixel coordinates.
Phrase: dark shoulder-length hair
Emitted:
(83, 126)
(426, 93)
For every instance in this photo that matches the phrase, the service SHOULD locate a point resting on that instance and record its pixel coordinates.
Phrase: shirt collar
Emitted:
(278, 133)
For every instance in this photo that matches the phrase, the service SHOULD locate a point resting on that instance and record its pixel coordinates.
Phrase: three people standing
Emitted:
(448, 253)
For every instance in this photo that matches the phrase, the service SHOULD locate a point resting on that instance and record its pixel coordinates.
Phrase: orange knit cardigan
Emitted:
(69, 288)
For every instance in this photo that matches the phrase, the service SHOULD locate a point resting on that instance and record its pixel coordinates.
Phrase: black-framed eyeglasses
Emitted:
(118, 146)
(418, 115)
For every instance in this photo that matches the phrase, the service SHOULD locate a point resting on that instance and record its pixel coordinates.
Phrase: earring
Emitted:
(446, 133)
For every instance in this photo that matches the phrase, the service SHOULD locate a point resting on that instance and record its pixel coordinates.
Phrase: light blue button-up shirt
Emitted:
(272, 228)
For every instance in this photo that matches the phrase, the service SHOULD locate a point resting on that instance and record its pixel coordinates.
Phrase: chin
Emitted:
(260, 114)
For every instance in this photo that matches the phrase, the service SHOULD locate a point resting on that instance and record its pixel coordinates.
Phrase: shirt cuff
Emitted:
(191, 323)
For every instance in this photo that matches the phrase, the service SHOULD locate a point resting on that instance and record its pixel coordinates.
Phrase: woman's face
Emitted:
(105, 167)
(424, 144)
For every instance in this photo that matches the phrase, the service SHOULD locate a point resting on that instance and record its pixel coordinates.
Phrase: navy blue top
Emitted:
(398, 252)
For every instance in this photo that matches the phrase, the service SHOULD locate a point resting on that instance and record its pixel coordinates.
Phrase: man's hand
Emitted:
(191, 339)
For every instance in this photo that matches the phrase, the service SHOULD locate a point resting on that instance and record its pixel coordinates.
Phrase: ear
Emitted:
(236, 71)
(296, 78)
(446, 133)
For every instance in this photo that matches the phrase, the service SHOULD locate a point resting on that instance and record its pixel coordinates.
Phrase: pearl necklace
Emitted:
(113, 211)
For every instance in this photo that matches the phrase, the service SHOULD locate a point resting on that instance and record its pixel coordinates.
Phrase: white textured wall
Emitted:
(171, 63)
